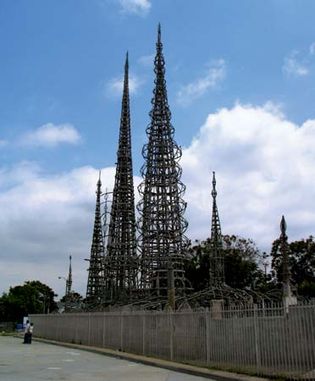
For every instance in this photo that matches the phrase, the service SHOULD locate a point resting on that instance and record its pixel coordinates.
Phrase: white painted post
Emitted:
(89, 328)
(104, 329)
(121, 333)
(207, 317)
(171, 328)
(257, 349)
(143, 333)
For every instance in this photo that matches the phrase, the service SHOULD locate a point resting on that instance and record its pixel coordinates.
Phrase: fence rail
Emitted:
(269, 341)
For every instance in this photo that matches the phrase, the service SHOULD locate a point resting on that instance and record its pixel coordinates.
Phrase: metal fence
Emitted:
(270, 341)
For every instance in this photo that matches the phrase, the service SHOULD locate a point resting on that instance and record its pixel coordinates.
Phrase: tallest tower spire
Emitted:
(161, 223)
(121, 248)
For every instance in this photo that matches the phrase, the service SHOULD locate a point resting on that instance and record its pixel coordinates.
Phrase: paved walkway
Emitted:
(40, 361)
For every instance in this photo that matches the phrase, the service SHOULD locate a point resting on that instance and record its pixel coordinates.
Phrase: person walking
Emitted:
(30, 335)
(26, 332)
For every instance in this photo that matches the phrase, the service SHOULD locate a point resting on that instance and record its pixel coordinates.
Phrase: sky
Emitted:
(241, 88)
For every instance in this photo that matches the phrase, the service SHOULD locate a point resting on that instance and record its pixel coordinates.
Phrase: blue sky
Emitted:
(243, 62)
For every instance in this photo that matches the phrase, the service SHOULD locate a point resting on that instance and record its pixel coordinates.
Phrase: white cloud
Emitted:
(215, 74)
(265, 168)
(115, 85)
(147, 60)
(312, 48)
(139, 7)
(264, 165)
(3, 143)
(43, 219)
(50, 135)
(292, 66)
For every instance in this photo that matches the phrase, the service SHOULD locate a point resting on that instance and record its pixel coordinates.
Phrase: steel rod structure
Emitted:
(121, 254)
(216, 265)
(284, 249)
(69, 279)
(154, 279)
(95, 284)
(161, 224)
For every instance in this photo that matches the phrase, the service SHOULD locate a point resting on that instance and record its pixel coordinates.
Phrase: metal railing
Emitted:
(262, 340)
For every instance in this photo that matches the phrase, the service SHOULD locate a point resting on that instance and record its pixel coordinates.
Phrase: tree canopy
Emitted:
(241, 263)
(301, 263)
(244, 262)
(30, 298)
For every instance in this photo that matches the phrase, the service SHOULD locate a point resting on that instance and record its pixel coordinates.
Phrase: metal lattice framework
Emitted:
(96, 277)
(69, 279)
(121, 255)
(161, 223)
(216, 265)
(114, 279)
(218, 290)
(284, 249)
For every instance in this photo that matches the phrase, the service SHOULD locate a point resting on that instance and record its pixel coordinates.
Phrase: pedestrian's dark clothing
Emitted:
(27, 338)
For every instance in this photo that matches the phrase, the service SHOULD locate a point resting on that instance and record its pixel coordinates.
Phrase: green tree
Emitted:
(72, 302)
(197, 268)
(301, 263)
(31, 298)
(73, 297)
(46, 296)
(242, 260)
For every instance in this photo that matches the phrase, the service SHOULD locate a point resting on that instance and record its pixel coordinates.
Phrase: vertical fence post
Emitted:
(207, 315)
(256, 334)
(282, 344)
(104, 329)
(89, 328)
(170, 316)
(143, 333)
(57, 328)
(121, 332)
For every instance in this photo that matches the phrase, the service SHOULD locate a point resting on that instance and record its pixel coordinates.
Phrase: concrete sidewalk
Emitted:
(40, 361)
(192, 370)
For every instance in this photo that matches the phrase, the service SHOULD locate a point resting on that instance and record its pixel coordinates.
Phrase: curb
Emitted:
(170, 365)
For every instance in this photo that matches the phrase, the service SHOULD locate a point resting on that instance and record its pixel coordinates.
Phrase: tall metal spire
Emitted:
(216, 247)
(285, 259)
(121, 257)
(69, 279)
(95, 284)
(161, 222)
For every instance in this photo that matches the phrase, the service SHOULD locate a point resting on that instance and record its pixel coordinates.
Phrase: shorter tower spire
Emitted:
(214, 192)
(285, 259)
(216, 245)
(69, 279)
(96, 278)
